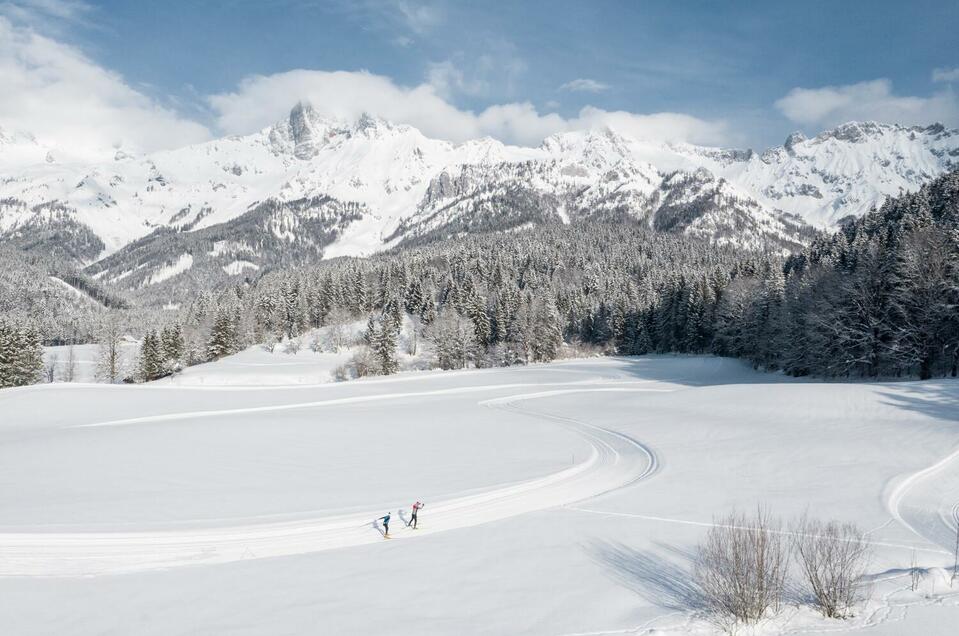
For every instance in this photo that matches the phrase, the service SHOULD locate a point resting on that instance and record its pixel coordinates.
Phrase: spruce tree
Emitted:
(21, 355)
(151, 357)
(223, 338)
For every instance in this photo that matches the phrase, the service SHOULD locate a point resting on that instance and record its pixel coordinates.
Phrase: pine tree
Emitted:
(291, 307)
(173, 345)
(21, 355)
(546, 336)
(476, 310)
(151, 357)
(223, 340)
(384, 348)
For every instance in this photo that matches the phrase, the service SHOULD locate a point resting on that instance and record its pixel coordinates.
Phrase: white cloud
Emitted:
(69, 102)
(945, 75)
(873, 100)
(47, 16)
(419, 18)
(55, 92)
(447, 78)
(584, 85)
(659, 126)
(262, 100)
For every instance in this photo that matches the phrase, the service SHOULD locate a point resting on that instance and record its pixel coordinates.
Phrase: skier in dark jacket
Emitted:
(416, 509)
(386, 524)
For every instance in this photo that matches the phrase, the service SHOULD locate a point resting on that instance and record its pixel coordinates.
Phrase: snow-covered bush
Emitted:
(361, 364)
(337, 330)
(833, 558)
(742, 566)
(292, 345)
(269, 342)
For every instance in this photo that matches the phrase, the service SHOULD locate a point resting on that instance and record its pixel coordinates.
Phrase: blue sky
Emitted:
(741, 73)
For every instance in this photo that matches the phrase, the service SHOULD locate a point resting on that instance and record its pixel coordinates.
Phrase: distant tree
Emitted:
(151, 357)
(223, 337)
(69, 370)
(173, 345)
(453, 339)
(109, 360)
(547, 336)
(21, 356)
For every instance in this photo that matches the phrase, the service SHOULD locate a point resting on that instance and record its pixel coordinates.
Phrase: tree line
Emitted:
(877, 298)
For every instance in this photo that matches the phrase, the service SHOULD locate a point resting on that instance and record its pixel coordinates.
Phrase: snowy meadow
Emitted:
(568, 498)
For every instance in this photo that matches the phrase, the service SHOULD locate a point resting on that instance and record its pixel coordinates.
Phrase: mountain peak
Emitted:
(302, 133)
(372, 126)
(856, 132)
(792, 140)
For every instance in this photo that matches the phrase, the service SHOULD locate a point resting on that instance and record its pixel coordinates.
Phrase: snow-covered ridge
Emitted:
(408, 185)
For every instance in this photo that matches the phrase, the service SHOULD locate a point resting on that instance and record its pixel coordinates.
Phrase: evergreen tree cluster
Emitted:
(161, 352)
(879, 298)
(490, 300)
(21, 356)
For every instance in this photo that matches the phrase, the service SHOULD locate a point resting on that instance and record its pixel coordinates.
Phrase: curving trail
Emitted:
(615, 461)
(927, 502)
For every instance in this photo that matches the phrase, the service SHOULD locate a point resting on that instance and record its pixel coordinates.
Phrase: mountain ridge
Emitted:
(393, 185)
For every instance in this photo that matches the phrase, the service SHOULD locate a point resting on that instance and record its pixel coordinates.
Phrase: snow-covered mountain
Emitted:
(312, 187)
(840, 172)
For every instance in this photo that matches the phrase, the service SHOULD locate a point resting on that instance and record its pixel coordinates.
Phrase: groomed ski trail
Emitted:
(615, 461)
(926, 502)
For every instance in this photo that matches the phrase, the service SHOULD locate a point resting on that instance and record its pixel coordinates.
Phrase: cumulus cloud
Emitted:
(263, 99)
(945, 75)
(71, 103)
(66, 100)
(584, 85)
(873, 100)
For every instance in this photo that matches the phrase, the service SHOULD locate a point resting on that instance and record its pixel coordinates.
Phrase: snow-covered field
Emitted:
(560, 499)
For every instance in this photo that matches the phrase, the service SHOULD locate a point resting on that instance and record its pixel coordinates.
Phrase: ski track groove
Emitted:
(899, 494)
(615, 461)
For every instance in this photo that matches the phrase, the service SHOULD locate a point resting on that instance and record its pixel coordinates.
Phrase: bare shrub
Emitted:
(833, 558)
(292, 346)
(742, 565)
(51, 371)
(269, 342)
(337, 331)
(361, 364)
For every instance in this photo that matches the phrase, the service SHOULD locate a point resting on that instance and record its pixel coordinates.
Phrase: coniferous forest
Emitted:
(878, 298)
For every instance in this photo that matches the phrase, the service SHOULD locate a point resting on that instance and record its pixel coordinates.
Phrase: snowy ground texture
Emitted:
(560, 499)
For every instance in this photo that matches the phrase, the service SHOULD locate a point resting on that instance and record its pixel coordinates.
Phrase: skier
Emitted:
(386, 525)
(416, 509)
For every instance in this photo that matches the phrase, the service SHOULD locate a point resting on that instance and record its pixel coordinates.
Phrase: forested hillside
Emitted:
(878, 298)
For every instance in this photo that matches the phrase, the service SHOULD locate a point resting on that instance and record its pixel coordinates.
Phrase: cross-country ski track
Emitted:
(615, 461)
(926, 502)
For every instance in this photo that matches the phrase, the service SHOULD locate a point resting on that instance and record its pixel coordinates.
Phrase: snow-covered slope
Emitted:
(560, 499)
(382, 184)
(840, 172)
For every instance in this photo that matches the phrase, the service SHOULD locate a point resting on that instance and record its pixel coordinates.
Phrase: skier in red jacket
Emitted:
(416, 509)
